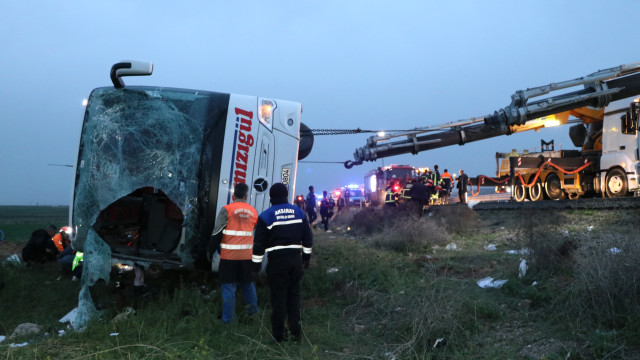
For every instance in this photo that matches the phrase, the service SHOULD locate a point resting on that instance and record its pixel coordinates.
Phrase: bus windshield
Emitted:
(142, 142)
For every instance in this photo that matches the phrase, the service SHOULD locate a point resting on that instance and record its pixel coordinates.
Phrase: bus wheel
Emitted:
(535, 192)
(553, 187)
(519, 192)
(616, 183)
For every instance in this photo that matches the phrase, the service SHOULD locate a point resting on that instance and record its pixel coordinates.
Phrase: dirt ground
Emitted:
(8, 248)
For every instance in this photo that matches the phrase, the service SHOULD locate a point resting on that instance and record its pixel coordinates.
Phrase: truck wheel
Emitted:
(535, 192)
(519, 192)
(553, 187)
(616, 183)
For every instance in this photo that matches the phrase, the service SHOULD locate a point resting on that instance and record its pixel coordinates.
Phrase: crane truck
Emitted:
(604, 118)
(156, 164)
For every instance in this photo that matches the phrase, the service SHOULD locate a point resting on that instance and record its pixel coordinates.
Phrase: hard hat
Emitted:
(67, 229)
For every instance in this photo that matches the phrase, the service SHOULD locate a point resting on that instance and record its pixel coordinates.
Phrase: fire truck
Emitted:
(393, 177)
(155, 166)
(603, 115)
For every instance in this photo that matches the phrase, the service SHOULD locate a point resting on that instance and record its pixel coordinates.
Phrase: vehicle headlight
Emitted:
(266, 108)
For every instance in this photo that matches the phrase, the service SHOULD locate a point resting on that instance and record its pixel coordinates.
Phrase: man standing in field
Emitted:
(283, 231)
(233, 233)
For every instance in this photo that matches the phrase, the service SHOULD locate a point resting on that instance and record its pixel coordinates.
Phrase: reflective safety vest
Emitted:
(59, 242)
(389, 198)
(237, 236)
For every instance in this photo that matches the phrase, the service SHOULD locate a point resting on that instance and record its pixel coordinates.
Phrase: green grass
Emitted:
(18, 222)
(365, 297)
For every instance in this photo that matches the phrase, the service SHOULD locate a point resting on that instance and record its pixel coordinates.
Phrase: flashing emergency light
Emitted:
(337, 192)
(353, 186)
(299, 198)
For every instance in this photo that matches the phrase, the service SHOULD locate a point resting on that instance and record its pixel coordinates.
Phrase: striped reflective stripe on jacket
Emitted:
(237, 236)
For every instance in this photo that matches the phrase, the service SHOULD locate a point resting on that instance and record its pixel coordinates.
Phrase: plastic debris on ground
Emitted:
(114, 334)
(489, 282)
(491, 247)
(451, 246)
(523, 251)
(332, 270)
(19, 345)
(61, 332)
(565, 232)
(438, 341)
(522, 269)
(615, 250)
(589, 228)
(13, 260)
(534, 283)
(2, 337)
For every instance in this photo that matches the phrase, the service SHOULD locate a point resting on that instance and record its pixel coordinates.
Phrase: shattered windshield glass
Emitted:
(137, 138)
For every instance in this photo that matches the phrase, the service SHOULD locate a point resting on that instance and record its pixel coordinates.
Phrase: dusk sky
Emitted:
(352, 64)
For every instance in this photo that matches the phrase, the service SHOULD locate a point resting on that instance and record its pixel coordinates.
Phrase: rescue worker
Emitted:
(40, 247)
(419, 195)
(311, 205)
(390, 198)
(435, 175)
(463, 182)
(325, 210)
(283, 231)
(233, 233)
(341, 203)
(432, 192)
(447, 183)
(69, 259)
(61, 239)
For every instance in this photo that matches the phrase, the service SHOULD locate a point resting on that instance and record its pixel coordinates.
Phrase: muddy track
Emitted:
(578, 204)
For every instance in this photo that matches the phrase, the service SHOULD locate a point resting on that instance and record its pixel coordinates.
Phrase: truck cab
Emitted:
(156, 164)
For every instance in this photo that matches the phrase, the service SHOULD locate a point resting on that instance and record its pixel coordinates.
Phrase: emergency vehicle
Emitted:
(394, 177)
(156, 164)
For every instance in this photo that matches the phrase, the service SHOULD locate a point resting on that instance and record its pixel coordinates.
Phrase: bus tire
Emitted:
(616, 184)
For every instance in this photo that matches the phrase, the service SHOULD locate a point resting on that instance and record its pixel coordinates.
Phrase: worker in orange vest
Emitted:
(233, 234)
(61, 239)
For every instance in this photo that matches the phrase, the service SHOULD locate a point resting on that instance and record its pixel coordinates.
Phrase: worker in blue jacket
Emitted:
(284, 233)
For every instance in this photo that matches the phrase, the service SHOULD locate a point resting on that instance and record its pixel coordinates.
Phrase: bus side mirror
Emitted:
(635, 108)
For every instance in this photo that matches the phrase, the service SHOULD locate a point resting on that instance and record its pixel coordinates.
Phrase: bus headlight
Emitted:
(265, 112)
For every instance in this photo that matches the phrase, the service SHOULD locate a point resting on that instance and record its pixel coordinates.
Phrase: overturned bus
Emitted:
(156, 164)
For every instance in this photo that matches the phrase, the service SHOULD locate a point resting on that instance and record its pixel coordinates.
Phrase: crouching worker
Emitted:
(68, 258)
(283, 231)
(233, 234)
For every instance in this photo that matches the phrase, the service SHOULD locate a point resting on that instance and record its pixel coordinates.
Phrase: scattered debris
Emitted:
(61, 332)
(124, 315)
(451, 246)
(523, 251)
(2, 337)
(534, 283)
(522, 269)
(472, 203)
(565, 232)
(399, 309)
(13, 260)
(589, 228)
(19, 345)
(332, 270)
(438, 341)
(26, 329)
(491, 247)
(488, 282)
(114, 334)
(615, 250)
